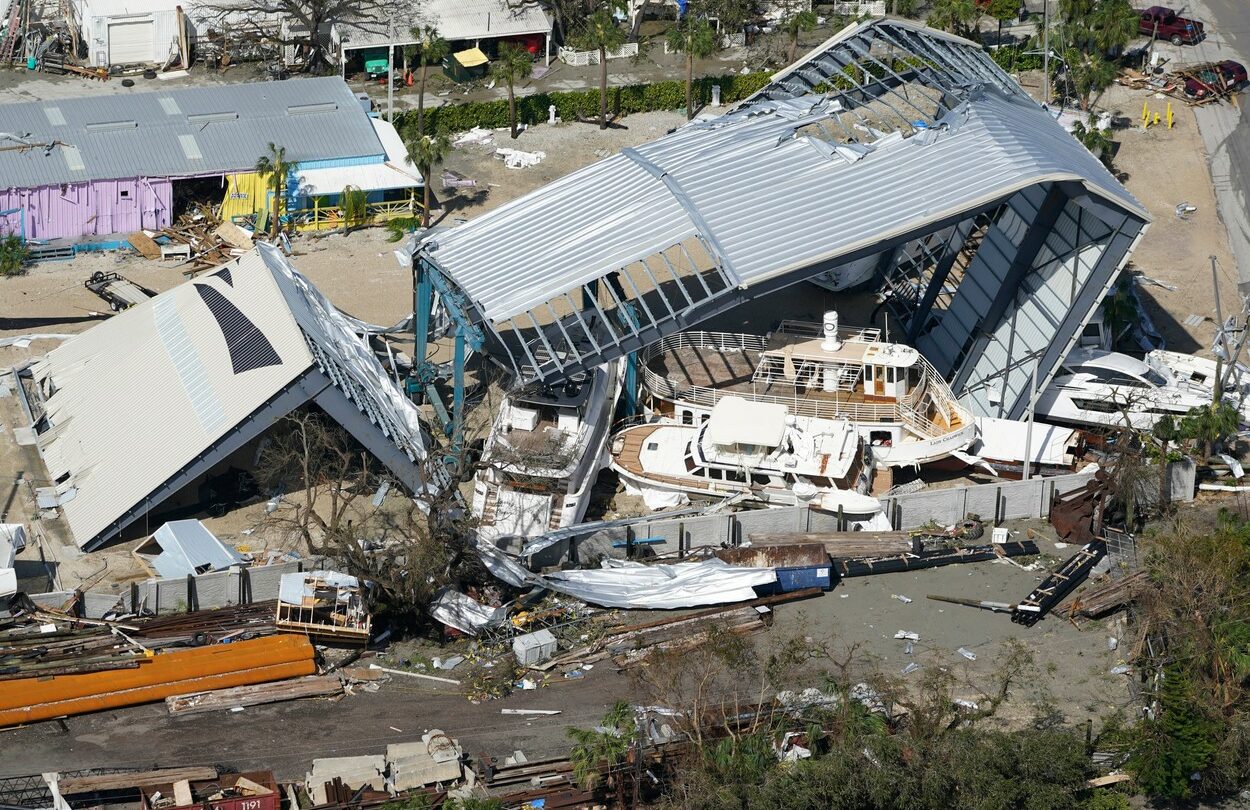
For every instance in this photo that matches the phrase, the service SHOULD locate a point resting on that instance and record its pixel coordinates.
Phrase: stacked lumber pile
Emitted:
(1106, 598)
(257, 695)
(45, 650)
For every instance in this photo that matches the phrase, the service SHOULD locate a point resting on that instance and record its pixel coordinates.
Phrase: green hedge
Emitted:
(1015, 59)
(632, 98)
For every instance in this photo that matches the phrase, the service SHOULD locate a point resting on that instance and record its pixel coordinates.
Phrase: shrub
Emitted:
(13, 256)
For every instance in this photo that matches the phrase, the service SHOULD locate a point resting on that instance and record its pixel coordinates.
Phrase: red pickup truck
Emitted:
(1159, 22)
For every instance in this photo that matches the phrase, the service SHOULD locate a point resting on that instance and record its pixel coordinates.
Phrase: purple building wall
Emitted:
(80, 210)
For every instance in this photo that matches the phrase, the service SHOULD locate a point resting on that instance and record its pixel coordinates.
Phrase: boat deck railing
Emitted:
(908, 410)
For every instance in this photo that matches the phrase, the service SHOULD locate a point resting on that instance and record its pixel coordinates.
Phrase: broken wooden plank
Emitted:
(255, 695)
(122, 781)
(146, 246)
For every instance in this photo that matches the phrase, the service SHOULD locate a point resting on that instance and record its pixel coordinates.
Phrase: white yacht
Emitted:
(1104, 389)
(887, 392)
(752, 449)
(1200, 373)
(544, 451)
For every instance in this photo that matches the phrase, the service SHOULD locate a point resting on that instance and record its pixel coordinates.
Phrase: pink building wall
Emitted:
(79, 210)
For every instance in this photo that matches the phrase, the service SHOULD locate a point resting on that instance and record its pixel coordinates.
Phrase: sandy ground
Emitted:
(1165, 167)
(1069, 671)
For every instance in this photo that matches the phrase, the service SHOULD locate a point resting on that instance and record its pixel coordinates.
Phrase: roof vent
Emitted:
(208, 118)
(106, 126)
(304, 109)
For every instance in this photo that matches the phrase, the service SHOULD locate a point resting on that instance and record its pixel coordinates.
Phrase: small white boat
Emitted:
(745, 448)
(887, 391)
(545, 449)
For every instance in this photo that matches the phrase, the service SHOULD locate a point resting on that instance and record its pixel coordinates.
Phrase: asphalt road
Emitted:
(1226, 127)
(286, 737)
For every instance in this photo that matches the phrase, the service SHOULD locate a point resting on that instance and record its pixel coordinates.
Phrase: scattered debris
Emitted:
(518, 159)
(323, 604)
(967, 653)
(1107, 598)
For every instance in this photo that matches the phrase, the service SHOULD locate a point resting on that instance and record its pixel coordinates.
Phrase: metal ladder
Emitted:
(9, 44)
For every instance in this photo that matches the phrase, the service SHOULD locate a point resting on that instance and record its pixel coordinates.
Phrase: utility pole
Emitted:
(1046, 51)
(1028, 435)
(390, 71)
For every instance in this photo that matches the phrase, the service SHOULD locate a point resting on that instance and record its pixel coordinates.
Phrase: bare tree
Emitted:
(307, 21)
(408, 547)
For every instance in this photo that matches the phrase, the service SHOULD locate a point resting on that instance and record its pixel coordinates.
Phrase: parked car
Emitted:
(1160, 22)
(1227, 75)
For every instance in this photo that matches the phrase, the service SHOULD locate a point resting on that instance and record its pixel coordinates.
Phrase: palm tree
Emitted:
(795, 24)
(952, 15)
(512, 64)
(1088, 73)
(603, 748)
(696, 39)
(274, 164)
(426, 152)
(600, 32)
(431, 49)
(1097, 141)
(1113, 24)
(1002, 10)
(1209, 424)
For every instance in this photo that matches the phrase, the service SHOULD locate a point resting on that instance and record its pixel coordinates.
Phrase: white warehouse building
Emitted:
(129, 32)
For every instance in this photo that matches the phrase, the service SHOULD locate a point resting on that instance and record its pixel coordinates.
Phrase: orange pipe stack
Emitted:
(199, 669)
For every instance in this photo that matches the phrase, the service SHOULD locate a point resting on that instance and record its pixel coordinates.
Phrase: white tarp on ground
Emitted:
(624, 584)
(635, 586)
(466, 614)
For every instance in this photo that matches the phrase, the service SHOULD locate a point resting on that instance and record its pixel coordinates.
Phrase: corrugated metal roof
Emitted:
(188, 548)
(455, 20)
(771, 201)
(397, 172)
(138, 398)
(159, 133)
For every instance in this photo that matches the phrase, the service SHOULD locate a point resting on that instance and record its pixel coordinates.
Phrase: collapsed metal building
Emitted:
(131, 412)
(892, 156)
